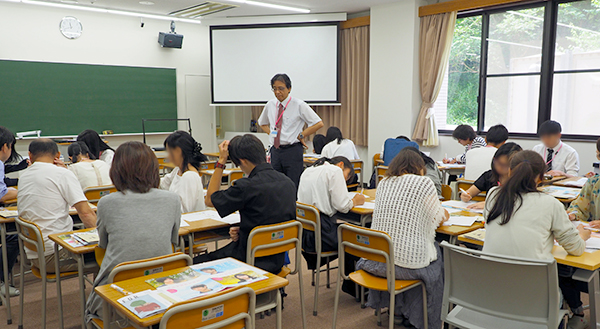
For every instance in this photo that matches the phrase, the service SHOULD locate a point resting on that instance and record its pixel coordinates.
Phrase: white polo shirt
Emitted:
(479, 160)
(46, 192)
(346, 149)
(325, 188)
(296, 115)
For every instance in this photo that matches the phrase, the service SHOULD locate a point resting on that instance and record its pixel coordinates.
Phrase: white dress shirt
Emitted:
(346, 149)
(296, 115)
(565, 158)
(479, 160)
(189, 188)
(93, 173)
(46, 192)
(325, 188)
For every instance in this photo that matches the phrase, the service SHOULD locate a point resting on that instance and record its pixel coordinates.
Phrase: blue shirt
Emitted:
(3, 188)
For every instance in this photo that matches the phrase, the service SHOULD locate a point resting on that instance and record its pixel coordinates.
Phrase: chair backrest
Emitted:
(310, 218)
(31, 236)
(381, 171)
(230, 309)
(369, 244)
(138, 268)
(94, 193)
(376, 157)
(235, 175)
(99, 255)
(465, 185)
(446, 192)
(358, 169)
(208, 165)
(267, 240)
(507, 287)
(393, 146)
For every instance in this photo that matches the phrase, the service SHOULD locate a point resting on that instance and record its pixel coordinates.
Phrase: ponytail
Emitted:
(191, 151)
(79, 148)
(526, 167)
(334, 161)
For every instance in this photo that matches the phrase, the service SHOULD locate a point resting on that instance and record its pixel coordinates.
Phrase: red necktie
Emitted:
(278, 124)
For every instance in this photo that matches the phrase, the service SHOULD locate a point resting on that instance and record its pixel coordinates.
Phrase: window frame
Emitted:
(546, 74)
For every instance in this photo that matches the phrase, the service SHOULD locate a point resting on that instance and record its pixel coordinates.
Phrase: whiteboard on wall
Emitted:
(244, 58)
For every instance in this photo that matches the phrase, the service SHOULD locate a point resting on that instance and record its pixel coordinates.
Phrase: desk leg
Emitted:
(453, 239)
(364, 219)
(107, 314)
(5, 299)
(58, 285)
(594, 294)
(190, 245)
(81, 287)
(278, 309)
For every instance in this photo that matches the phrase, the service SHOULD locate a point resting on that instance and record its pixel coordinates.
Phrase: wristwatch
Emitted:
(301, 136)
(220, 165)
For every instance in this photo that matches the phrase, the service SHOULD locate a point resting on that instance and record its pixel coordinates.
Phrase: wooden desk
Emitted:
(450, 169)
(566, 181)
(454, 231)
(110, 296)
(4, 221)
(231, 174)
(201, 231)
(553, 180)
(587, 265)
(366, 215)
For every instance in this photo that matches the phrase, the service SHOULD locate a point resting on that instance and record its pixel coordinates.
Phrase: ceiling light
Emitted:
(270, 5)
(107, 11)
(146, 3)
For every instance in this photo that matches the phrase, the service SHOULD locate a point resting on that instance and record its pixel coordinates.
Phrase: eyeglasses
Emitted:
(282, 89)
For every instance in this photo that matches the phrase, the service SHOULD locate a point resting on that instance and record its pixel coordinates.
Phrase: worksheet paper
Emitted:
(577, 183)
(462, 220)
(211, 214)
(367, 205)
(461, 206)
(561, 192)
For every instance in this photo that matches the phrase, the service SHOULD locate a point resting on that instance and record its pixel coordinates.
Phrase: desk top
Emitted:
(72, 212)
(588, 261)
(370, 197)
(205, 225)
(553, 180)
(139, 284)
(455, 230)
(70, 248)
(212, 155)
(564, 182)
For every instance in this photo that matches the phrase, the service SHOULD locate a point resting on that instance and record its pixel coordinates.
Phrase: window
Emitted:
(522, 65)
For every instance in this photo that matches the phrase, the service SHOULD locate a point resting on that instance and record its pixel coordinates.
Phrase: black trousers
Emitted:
(12, 250)
(289, 160)
(571, 289)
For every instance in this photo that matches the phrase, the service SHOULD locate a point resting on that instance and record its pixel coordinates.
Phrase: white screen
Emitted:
(245, 59)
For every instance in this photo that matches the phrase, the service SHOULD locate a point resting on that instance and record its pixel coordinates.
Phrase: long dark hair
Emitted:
(508, 149)
(93, 141)
(426, 159)
(334, 133)
(7, 137)
(334, 161)
(406, 162)
(191, 151)
(319, 143)
(525, 168)
(79, 148)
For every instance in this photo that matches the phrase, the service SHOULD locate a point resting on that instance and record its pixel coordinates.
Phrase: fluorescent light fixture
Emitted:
(106, 11)
(270, 5)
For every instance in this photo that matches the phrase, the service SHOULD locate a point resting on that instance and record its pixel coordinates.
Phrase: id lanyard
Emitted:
(281, 115)
(555, 153)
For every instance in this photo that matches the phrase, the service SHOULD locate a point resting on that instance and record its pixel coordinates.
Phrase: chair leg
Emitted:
(301, 286)
(425, 313)
(391, 310)
(378, 313)
(43, 298)
(336, 301)
(58, 287)
(317, 282)
(362, 297)
(328, 267)
(313, 278)
(21, 285)
(278, 310)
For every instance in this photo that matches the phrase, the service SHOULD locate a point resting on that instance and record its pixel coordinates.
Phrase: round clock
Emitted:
(71, 27)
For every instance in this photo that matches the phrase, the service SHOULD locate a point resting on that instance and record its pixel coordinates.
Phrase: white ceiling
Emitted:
(164, 7)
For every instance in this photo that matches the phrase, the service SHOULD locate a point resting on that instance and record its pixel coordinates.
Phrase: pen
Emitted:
(119, 289)
(595, 230)
(464, 191)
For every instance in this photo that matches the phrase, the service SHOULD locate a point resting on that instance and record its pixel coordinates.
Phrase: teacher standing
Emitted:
(283, 118)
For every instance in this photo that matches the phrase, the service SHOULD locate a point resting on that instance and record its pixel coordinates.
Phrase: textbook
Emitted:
(68, 238)
(87, 238)
(8, 213)
(560, 192)
(477, 235)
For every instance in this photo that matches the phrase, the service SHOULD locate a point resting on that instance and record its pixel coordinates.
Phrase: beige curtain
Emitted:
(352, 117)
(256, 111)
(434, 51)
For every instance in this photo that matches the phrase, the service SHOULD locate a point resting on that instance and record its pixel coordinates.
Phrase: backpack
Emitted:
(393, 146)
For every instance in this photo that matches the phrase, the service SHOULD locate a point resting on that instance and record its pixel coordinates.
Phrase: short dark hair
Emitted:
(497, 134)
(7, 138)
(508, 149)
(549, 127)
(93, 141)
(135, 168)
(406, 162)
(464, 132)
(43, 146)
(334, 133)
(79, 148)
(403, 138)
(191, 151)
(283, 78)
(334, 161)
(247, 147)
(319, 142)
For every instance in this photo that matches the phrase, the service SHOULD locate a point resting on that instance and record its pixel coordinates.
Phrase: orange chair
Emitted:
(465, 185)
(94, 193)
(235, 306)
(377, 246)
(446, 192)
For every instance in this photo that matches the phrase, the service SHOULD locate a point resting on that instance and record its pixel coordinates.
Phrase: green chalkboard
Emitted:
(64, 99)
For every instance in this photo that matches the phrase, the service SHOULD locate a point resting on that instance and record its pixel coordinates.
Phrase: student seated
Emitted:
(186, 154)
(100, 150)
(337, 145)
(478, 160)
(465, 136)
(408, 209)
(323, 185)
(561, 159)
(431, 170)
(46, 191)
(11, 165)
(7, 141)
(392, 146)
(496, 176)
(318, 144)
(138, 222)
(591, 173)
(88, 170)
(264, 197)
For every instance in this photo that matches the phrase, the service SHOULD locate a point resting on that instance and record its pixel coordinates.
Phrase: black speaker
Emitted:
(170, 40)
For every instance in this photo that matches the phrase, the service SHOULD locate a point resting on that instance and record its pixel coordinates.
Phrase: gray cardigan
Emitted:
(134, 226)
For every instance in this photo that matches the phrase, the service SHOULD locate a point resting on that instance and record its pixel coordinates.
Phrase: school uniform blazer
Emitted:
(265, 197)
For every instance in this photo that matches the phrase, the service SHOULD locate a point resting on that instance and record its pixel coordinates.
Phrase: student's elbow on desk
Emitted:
(86, 214)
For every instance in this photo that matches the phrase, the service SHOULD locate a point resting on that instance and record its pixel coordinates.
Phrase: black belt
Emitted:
(283, 147)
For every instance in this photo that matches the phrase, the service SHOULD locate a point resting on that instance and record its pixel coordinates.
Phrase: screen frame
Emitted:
(276, 25)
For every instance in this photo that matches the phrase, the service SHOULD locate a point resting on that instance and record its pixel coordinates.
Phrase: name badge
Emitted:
(274, 132)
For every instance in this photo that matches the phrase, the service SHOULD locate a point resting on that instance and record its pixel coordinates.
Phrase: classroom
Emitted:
(300, 164)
